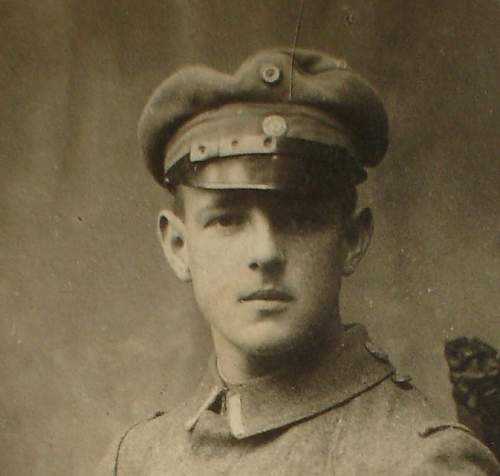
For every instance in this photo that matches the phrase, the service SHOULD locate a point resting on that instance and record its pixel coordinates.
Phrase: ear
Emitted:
(357, 239)
(172, 236)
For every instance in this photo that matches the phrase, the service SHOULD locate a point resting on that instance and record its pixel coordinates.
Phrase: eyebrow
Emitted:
(218, 201)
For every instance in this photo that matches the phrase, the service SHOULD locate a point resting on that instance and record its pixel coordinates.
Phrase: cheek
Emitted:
(317, 260)
(214, 265)
(216, 278)
(315, 248)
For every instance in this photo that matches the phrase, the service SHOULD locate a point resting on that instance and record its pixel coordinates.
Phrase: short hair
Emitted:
(178, 205)
(348, 202)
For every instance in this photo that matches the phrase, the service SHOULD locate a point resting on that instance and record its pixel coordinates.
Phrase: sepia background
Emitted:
(95, 332)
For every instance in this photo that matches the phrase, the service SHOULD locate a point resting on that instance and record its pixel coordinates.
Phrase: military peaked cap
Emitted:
(289, 106)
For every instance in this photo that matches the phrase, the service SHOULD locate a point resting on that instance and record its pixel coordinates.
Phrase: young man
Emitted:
(264, 166)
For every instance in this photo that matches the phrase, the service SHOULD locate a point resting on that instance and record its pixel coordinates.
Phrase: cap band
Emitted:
(247, 129)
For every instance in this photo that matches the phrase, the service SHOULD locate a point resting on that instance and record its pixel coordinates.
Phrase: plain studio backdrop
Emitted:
(96, 333)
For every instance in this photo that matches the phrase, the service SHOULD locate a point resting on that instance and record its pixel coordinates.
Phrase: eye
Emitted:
(303, 221)
(226, 220)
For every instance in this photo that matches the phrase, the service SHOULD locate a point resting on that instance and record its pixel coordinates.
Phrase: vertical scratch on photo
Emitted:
(294, 47)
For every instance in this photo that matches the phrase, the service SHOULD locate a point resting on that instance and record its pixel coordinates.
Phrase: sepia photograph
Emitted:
(250, 237)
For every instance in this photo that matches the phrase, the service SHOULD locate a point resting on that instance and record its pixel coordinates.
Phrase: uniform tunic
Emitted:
(343, 415)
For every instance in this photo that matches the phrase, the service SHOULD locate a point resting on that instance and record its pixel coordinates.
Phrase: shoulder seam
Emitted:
(430, 430)
(122, 439)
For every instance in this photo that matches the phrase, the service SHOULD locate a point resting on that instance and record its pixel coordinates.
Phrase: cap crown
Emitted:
(304, 78)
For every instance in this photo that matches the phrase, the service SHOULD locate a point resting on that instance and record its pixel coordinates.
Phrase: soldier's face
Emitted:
(265, 266)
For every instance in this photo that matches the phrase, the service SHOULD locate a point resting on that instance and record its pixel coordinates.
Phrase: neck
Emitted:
(236, 366)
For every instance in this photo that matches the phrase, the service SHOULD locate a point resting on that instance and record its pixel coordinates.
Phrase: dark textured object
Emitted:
(323, 100)
(475, 376)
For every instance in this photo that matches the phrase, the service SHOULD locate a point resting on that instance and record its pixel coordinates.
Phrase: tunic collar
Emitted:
(278, 400)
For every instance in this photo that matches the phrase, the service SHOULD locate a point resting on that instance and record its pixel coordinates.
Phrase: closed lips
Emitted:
(268, 295)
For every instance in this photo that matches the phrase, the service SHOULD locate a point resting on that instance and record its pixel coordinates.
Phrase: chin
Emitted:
(270, 344)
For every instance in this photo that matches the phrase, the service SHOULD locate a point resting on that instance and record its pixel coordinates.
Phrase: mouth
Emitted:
(270, 295)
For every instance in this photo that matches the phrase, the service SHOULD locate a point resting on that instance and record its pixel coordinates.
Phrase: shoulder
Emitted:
(138, 438)
(447, 448)
(134, 447)
(450, 448)
(139, 433)
(396, 428)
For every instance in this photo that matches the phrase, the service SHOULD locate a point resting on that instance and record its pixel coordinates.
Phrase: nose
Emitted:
(266, 251)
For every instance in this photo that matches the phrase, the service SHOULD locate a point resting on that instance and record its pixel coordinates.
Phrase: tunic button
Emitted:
(376, 351)
(401, 379)
(274, 126)
(341, 64)
(270, 73)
